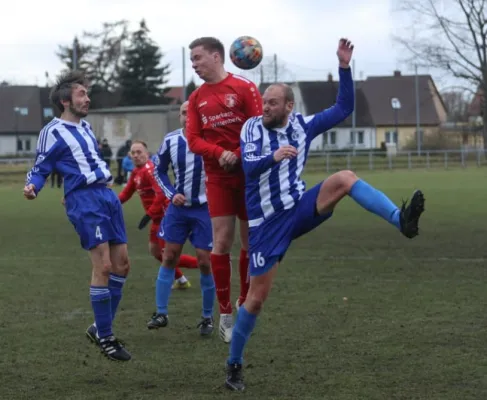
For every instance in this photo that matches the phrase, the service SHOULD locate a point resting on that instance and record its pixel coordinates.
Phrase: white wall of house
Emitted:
(342, 138)
(8, 144)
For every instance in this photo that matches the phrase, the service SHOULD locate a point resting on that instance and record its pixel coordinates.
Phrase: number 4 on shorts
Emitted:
(259, 261)
(98, 234)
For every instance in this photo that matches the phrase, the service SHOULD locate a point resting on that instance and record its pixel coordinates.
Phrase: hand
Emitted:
(344, 52)
(285, 152)
(63, 202)
(228, 158)
(144, 221)
(29, 192)
(178, 199)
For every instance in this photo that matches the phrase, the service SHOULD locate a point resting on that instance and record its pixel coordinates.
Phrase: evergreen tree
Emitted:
(65, 54)
(142, 77)
(190, 88)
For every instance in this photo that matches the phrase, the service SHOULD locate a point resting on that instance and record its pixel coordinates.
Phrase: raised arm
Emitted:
(326, 119)
(254, 163)
(196, 143)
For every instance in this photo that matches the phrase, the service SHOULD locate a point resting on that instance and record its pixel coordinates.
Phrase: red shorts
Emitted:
(226, 197)
(154, 229)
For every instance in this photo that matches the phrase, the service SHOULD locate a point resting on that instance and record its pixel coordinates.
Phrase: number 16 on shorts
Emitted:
(258, 260)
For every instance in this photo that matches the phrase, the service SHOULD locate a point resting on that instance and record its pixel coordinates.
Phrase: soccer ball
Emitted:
(246, 52)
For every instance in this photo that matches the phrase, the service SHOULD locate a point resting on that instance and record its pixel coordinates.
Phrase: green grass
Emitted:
(413, 325)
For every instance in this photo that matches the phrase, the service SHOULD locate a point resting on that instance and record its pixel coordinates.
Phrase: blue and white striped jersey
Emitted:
(189, 175)
(72, 150)
(271, 186)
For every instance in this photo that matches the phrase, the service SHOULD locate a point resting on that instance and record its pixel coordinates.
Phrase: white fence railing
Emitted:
(380, 160)
(364, 160)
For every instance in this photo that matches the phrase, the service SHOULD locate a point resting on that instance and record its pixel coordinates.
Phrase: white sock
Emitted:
(182, 280)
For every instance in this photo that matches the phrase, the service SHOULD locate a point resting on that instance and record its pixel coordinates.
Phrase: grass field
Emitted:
(357, 311)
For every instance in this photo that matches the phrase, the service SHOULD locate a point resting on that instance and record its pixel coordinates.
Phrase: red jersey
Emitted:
(153, 199)
(216, 114)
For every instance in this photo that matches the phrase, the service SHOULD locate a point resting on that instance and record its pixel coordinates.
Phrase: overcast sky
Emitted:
(303, 33)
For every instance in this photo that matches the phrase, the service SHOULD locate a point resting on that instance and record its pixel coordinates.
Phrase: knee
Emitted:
(204, 265)
(255, 300)
(103, 269)
(222, 244)
(123, 267)
(347, 179)
(170, 258)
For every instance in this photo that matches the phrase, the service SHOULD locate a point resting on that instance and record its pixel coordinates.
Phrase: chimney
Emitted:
(397, 73)
(330, 77)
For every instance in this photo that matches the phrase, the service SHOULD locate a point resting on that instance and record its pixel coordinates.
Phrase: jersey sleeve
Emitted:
(326, 119)
(160, 202)
(128, 190)
(252, 105)
(161, 169)
(196, 143)
(254, 163)
(47, 153)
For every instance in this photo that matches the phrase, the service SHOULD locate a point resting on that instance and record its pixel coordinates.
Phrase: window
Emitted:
(48, 112)
(329, 138)
(391, 137)
(356, 137)
(360, 137)
(21, 110)
(24, 145)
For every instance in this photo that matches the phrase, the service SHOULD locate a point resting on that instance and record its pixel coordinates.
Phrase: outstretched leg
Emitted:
(344, 183)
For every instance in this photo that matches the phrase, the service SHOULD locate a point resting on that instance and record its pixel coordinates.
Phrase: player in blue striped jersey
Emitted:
(275, 148)
(68, 145)
(186, 217)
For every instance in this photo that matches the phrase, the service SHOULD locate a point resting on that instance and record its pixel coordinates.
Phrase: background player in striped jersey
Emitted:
(155, 203)
(186, 217)
(216, 113)
(68, 145)
(275, 148)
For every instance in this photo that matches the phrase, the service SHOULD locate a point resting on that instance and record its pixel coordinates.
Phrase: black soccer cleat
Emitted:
(157, 321)
(234, 379)
(206, 326)
(113, 349)
(409, 217)
(91, 334)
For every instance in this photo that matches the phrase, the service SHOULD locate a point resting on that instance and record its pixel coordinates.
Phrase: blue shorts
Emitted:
(97, 216)
(181, 223)
(269, 241)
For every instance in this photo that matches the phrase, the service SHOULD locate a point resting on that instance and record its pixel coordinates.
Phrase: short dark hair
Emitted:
(210, 44)
(62, 90)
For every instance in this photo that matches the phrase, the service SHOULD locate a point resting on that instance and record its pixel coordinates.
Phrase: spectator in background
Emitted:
(128, 166)
(121, 153)
(106, 152)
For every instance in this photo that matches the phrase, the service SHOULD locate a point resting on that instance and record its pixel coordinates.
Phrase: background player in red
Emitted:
(216, 112)
(155, 203)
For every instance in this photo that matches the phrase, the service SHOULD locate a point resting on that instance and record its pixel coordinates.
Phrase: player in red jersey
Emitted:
(155, 203)
(216, 112)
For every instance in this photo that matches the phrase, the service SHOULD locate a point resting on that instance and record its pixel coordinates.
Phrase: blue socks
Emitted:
(244, 325)
(376, 202)
(115, 285)
(163, 288)
(208, 292)
(102, 308)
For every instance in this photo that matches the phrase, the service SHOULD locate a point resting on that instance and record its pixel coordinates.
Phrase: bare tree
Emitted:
(457, 103)
(450, 35)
